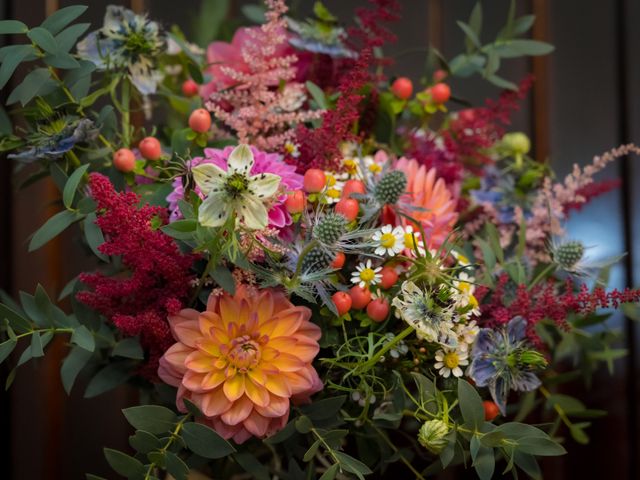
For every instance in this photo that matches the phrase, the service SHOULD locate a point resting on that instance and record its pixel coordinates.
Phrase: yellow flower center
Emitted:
(333, 193)
(367, 275)
(473, 301)
(409, 240)
(387, 240)
(375, 168)
(289, 147)
(331, 180)
(351, 166)
(451, 360)
(464, 287)
(462, 259)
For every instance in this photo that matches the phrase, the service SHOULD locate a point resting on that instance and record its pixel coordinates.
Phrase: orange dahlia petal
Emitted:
(234, 387)
(229, 310)
(264, 306)
(283, 344)
(283, 324)
(193, 381)
(258, 376)
(213, 379)
(279, 385)
(278, 406)
(239, 411)
(209, 347)
(187, 332)
(199, 362)
(306, 349)
(298, 381)
(176, 355)
(257, 424)
(212, 403)
(286, 362)
(208, 320)
(256, 393)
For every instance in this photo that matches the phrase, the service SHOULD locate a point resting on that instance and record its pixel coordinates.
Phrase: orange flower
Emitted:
(434, 205)
(243, 360)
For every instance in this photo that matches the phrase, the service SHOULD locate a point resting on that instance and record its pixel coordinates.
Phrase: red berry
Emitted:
(295, 201)
(360, 297)
(352, 186)
(402, 88)
(348, 207)
(389, 277)
(342, 301)
(378, 309)
(200, 120)
(150, 148)
(124, 160)
(467, 115)
(439, 75)
(440, 93)
(190, 88)
(491, 410)
(314, 180)
(338, 262)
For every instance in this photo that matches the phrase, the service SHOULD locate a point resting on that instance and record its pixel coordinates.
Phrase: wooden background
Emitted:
(585, 101)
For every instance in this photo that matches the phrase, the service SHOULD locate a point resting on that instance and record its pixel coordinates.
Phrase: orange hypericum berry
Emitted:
(124, 160)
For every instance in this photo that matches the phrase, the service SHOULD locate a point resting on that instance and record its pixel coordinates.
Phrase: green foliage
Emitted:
(486, 58)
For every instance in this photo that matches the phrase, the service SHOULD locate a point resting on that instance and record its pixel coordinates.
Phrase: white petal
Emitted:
(209, 178)
(240, 160)
(253, 212)
(214, 211)
(264, 185)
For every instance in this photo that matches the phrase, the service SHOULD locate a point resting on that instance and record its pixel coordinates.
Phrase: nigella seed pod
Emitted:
(432, 436)
(390, 187)
(568, 254)
(330, 228)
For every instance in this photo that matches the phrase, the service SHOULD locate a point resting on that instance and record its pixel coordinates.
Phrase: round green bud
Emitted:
(432, 436)
(516, 143)
(330, 228)
(568, 254)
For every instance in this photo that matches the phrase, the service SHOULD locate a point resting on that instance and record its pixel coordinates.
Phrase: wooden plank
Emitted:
(540, 67)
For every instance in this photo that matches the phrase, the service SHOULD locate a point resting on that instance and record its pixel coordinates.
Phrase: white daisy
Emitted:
(463, 289)
(467, 334)
(333, 189)
(449, 361)
(235, 191)
(366, 275)
(412, 241)
(388, 240)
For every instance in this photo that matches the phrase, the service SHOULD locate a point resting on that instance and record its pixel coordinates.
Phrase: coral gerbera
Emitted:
(243, 360)
(430, 202)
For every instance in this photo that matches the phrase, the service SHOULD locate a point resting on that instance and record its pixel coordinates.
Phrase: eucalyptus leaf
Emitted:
(176, 466)
(12, 27)
(83, 338)
(470, 405)
(152, 418)
(72, 366)
(128, 348)
(205, 441)
(13, 55)
(44, 39)
(52, 227)
(106, 379)
(67, 38)
(71, 186)
(61, 18)
(6, 348)
(124, 464)
(38, 82)
(94, 236)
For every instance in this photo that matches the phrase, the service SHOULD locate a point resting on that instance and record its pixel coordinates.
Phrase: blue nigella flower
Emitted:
(503, 360)
(126, 41)
(55, 146)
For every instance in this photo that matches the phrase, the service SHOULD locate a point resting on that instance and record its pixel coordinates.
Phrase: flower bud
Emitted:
(330, 228)
(517, 143)
(390, 187)
(568, 254)
(432, 436)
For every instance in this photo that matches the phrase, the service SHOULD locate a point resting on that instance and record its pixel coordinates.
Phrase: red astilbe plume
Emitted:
(548, 299)
(320, 147)
(157, 278)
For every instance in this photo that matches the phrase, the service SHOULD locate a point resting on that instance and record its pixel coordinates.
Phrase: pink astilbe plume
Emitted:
(555, 200)
(257, 108)
(158, 276)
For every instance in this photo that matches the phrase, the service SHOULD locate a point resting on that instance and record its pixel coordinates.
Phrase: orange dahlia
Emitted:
(433, 204)
(243, 360)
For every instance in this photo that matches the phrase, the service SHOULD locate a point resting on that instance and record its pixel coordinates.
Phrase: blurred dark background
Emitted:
(586, 99)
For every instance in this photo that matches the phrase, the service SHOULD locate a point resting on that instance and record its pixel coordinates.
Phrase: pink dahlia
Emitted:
(429, 201)
(243, 361)
(263, 163)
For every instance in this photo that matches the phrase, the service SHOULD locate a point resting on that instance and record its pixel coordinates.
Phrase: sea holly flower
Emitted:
(243, 361)
(126, 41)
(449, 361)
(366, 274)
(503, 360)
(389, 240)
(235, 191)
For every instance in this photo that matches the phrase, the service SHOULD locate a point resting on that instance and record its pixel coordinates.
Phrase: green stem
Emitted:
(44, 330)
(548, 269)
(559, 410)
(174, 436)
(126, 110)
(205, 272)
(395, 449)
(378, 355)
(325, 445)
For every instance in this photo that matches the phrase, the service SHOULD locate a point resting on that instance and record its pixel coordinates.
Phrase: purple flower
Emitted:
(502, 360)
(263, 163)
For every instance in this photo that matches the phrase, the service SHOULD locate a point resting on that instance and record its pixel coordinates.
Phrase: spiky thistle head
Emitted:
(390, 187)
(330, 228)
(316, 259)
(567, 255)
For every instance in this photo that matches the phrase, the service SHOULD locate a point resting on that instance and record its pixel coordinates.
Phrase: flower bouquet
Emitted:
(308, 270)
